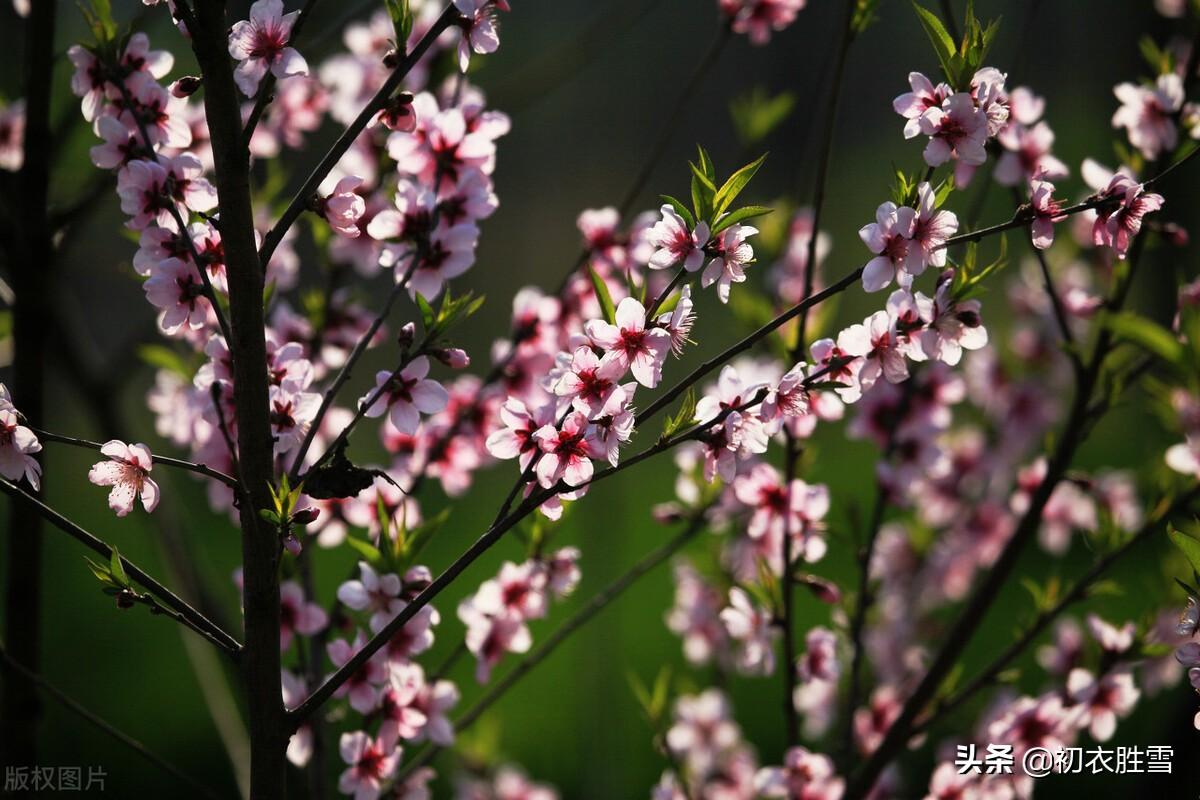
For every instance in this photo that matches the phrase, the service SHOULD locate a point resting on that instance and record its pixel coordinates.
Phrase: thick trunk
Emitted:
(260, 541)
(31, 263)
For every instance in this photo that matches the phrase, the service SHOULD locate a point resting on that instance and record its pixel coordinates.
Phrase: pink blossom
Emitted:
(703, 729)
(17, 446)
(613, 424)
(885, 356)
(128, 472)
(1148, 114)
(517, 438)
(362, 687)
(1046, 210)
(931, 228)
(1027, 154)
(957, 129)
(12, 135)
(1185, 457)
(676, 243)
(678, 322)
(344, 207)
(407, 395)
(631, 344)
(435, 700)
(1064, 654)
(490, 637)
(589, 381)
(297, 614)
(479, 30)
(175, 288)
(1111, 638)
(372, 761)
(1117, 227)
(953, 325)
(566, 452)
(371, 592)
(1098, 703)
(803, 776)
(731, 255)
(695, 616)
(923, 97)
(758, 18)
(260, 44)
(889, 236)
(518, 591)
(400, 702)
(750, 627)
(871, 723)
(563, 572)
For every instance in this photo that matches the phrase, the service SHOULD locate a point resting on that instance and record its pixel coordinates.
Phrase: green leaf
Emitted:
(1147, 334)
(706, 164)
(157, 355)
(1189, 546)
(402, 21)
(428, 317)
(424, 533)
(740, 215)
(756, 114)
(683, 417)
(943, 45)
(734, 185)
(365, 549)
(603, 296)
(702, 193)
(117, 569)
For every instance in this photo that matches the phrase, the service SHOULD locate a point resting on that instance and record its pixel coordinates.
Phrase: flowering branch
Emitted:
(185, 613)
(199, 469)
(695, 524)
(267, 89)
(300, 201)
(986, 593)
(1078, 592)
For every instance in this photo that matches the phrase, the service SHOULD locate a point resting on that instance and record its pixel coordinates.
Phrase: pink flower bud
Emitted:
(126, 599)
(667, 513)
(406, 336)
(823, 590)
(453, 357)
(186, 86)
(292, 545)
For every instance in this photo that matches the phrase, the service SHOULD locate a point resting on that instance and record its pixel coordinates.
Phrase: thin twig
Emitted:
(187, 615)
(199, 469)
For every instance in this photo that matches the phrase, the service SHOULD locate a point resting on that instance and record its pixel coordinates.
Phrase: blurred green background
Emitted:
(588, 86)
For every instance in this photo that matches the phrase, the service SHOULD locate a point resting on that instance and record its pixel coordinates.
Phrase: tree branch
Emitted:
(199, 469)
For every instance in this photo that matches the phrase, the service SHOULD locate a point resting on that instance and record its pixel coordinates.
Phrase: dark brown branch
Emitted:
(199, 469)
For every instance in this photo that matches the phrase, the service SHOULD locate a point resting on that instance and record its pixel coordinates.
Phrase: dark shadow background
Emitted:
(588, 86)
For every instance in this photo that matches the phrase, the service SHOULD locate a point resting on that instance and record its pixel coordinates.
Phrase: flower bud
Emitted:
(305, 516)
(823, 590)
(667, 513)
(406, 336)
(1194, 678)
(292, 545)
(453, 357)
(186, 86)
(126, 599)
(399, 115)
(1189, 655)
(1189, 620)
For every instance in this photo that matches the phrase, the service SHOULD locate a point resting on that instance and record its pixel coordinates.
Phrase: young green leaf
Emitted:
(734, 185)
(1147, 334)
(603, 296)
(740, 215)
(1189, 546)
(683, 417)
(943, 45)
